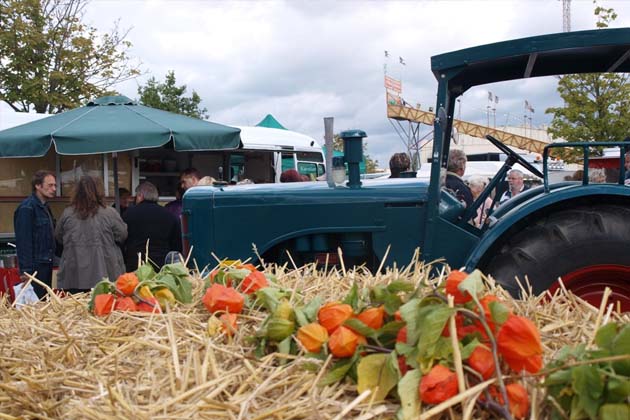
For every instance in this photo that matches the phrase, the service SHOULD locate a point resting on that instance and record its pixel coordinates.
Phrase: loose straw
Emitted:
(457, 355)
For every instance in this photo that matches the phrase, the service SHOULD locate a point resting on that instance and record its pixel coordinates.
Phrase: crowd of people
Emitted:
(91, 239)
(466, 191)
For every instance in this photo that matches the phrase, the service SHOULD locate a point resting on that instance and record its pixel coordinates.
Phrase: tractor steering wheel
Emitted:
(518, 158)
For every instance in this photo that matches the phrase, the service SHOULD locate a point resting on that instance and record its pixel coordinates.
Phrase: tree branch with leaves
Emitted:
(170, 97)
(596, 106)
(52, 61)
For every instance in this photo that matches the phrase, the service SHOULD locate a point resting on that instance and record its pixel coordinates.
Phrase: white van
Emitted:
(264, 154)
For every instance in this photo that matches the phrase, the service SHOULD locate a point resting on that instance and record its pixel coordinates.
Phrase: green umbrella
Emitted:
(114, 124)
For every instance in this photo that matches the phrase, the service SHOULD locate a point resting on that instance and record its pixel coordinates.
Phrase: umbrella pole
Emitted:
(115, 170)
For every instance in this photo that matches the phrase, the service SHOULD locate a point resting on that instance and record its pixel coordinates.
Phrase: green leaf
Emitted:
(181, 288)
(621, 346)
(360, 327)
(300, 317)
(310, 309)
(338, 371)
(412, 314)
(145, 272)
(588, 386)
(605, 336)
(284, 346)
(614, 412)
(270, 297)
(237, 274)
(617, 389)
(467, 350)
(176, 269)
(259, 351)
(432, 327)
(311, 367)
(391, 303)
(374, 373)
(404, 349)
(560, 377)
(499, 312)
(567, 352)
(398, 286)
(473, 284)
(443, 348)
(408, 391)
(379, 292)
(352, 298)
(391, 328)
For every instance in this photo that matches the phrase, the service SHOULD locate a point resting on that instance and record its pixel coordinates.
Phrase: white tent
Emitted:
(9, 118)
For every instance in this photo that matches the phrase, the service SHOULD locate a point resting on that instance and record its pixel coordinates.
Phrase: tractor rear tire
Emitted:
(587, 246)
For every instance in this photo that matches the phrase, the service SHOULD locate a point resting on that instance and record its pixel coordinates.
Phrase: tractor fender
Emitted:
(519, 216)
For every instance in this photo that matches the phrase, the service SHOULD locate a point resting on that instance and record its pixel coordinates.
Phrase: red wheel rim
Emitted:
(589, 283)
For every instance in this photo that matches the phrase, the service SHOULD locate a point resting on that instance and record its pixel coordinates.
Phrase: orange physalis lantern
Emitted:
(332, 315)
(247, 266)
(312, 336)
(401, 337)
(402, 365)
(222, 298)
(518, 342)
(438, 385)
(253, 282)
(482, 361)
(151, 304)
(125, 304)
(518, 400)
(126, 283)
(228, 322)
(373, 317)
(103, 304)
(343, 342)
(452, 282)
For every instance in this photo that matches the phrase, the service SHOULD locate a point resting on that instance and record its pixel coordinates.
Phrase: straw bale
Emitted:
(59, 361)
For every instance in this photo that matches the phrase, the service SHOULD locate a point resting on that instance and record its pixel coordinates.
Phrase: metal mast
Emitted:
(566, 15)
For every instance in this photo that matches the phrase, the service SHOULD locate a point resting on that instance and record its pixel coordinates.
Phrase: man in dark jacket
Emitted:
(34, 231)
(147, 220)
(455, 171)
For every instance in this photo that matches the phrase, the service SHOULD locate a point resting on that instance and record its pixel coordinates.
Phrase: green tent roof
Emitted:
(270, 122)
(114, 124)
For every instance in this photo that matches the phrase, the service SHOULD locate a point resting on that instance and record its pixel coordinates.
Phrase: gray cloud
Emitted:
(306, 60)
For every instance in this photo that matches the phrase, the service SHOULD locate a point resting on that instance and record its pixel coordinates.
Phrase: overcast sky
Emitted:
(305, 60)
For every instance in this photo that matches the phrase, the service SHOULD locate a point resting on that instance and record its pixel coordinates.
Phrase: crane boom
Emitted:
(407, 113)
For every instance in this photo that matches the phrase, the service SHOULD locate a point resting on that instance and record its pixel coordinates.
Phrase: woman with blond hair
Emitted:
(477, 185)
(91, 233)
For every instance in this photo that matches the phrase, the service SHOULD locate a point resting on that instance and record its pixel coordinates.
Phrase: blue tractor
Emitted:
(576, 230)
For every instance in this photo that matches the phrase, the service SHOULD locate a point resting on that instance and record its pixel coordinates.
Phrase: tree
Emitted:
(51, 61)
(596, 106)
(169, 97)
(371, 165)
